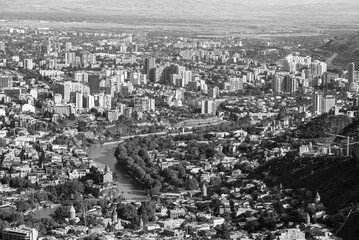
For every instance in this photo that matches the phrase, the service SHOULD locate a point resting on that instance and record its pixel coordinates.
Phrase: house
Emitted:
(176, 213)
(171, 223)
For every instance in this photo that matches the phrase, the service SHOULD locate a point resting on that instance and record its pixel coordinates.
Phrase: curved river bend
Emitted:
(104, 155)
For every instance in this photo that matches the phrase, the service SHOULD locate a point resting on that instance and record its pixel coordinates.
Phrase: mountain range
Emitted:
(184, 9)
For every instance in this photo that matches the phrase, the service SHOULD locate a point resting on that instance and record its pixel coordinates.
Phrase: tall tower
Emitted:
(308, 219)
(150, 63)
(277, 84)
(351, 71)
(72, 212)
(141, 223)
(204, 190)
(68, 46)
(317, 102)
(114, 216)
(317, 198)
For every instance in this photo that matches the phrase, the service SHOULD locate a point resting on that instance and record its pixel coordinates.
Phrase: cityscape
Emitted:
(138, 120)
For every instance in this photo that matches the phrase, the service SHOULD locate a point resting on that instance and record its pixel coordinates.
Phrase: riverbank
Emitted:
(105, 155)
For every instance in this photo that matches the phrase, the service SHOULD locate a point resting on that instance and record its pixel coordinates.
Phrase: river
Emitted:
(104, 155)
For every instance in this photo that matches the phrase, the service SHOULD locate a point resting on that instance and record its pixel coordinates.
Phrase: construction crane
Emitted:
(348, 141)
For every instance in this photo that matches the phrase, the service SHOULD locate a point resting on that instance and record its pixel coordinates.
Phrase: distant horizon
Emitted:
(255, 12)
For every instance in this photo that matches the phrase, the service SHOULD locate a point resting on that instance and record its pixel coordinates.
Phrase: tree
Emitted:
(121, 152)
(70, 189)
(40, 196)
(215, 204)
(143, 153)
(18, 182)
(223, 231)
(147, 212)
(215, 181)
(156, 187)
(48, 223)
(61, 213)
(127, 212)
(81, 126)
(4, 224)
(192, 184)
(22, 205)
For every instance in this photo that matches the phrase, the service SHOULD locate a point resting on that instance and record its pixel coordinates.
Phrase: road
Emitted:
(330, 60)
(147, 134)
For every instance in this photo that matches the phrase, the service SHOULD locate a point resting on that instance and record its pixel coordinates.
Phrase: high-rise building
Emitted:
(236, 84)
(87, 59)
(208, 107)
(150, 63)
(156, 74)
(250, 76)
(45, 47)
(2, 46)
(5, 81)
(317, 68)
(81, 77)
(56, 47)
(57, 98)
(186, 76)
(94, 83)
(277, 84)
(328, 103)
(144, 104)
(64, 89)
(317, 103)
(290, 84)
(88, 101)
(20, 233)
(70, 58)
(28, 64)
(79, 101)
(293, 62)
(351, 72)
(51, 63)
(325, 79)
(68, 46)
(126, 89)
(135, 78)
(213, 92)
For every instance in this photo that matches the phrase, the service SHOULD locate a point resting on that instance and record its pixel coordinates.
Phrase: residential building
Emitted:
(20, 233)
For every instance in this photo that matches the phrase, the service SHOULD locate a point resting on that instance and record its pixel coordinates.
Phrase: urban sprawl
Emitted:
(196, 120)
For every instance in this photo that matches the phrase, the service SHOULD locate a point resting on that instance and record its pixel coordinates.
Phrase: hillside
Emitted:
(350, 230)
(347, 48)
(320, 126)
(336, 178)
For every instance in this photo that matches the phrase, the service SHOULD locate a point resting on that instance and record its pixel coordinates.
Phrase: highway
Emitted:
(330, 60)
(147, 134)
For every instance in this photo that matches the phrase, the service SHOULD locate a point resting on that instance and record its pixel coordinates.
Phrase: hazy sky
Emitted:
(178, 8)
(295, 2)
